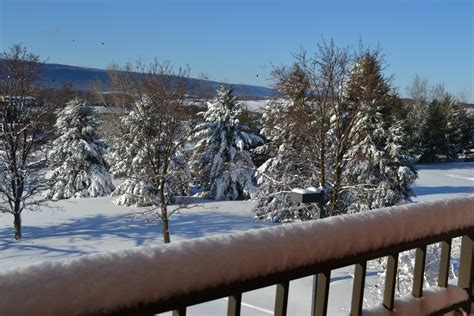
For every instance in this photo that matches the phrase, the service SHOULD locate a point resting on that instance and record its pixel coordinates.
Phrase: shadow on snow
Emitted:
(442, 190)
(77, 234)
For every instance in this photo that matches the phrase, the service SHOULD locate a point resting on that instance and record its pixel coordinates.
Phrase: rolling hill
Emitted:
(55, 75)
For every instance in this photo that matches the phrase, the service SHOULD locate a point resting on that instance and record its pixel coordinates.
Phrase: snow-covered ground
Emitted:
(77, 227)
(442, 180)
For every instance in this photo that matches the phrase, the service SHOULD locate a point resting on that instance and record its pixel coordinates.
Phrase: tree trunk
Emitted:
(17, 225)
(164, 214)
(166, 232)
(322, 181)
(336, 187)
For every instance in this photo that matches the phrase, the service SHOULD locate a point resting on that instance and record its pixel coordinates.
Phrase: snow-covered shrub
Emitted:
(76, 164)
(221, 158)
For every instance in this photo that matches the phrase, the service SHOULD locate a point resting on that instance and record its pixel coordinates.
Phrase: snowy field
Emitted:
(77, 227)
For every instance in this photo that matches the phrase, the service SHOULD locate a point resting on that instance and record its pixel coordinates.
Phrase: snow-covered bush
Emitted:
(75, 162)
(221, 158)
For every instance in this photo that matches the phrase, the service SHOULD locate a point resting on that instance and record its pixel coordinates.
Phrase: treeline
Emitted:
(439, 125)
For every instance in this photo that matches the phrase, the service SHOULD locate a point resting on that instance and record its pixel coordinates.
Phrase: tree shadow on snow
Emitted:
(194, 225)
(81, 236)
(442, 190)
(446, 165)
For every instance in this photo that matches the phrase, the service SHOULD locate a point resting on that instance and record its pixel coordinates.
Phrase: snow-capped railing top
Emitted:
(107, 281)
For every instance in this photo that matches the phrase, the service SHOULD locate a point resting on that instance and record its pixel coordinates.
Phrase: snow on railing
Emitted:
(120, 279)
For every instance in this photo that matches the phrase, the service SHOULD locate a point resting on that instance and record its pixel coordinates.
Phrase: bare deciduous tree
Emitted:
(20, 132)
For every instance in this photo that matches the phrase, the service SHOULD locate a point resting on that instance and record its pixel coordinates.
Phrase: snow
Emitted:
(434, 299)
(77, 227)
(307, 190)
(254, 105)
(442, 180)
(131, 276)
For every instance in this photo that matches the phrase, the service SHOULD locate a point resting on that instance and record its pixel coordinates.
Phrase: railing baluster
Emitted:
(444, 263)
(419, 271)
(315, 290)
(234, 304)
(358, 288)
(281, 299)
(390, 281)
(179, 312)
(466, 269)
(320, 303)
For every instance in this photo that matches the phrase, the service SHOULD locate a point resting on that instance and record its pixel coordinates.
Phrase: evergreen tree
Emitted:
(379, 170)
(434, 132)
(138, 148)
(290, 164)
(458, 127)
(221, 158)
(147, 152)
(76, 164)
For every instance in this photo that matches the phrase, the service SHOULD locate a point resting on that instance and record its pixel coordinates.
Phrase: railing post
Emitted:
(418, 275)
(320, 300)
(281, 298)
(358, 288)
(234, 305)
(466, 269)
(444, 263)
(390, 281)
(179, 312)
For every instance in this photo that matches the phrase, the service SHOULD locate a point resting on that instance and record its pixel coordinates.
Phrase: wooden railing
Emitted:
(147, 281)
(322, 273)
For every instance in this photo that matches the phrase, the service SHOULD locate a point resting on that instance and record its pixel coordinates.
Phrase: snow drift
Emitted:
(124, 278)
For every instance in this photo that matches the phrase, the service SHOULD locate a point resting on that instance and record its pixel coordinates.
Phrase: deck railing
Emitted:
(191, 272)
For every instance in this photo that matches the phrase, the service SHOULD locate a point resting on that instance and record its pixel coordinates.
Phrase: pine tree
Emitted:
(434, 132)
(379, 171)
(457, 127)
(221, 158)
(76, 164)
(133, 154)
(290, 164)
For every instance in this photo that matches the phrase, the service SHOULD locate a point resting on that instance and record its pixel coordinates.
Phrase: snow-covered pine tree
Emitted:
(75, 162)
(457, 126)
(221, 158)
(379, 171)
(134, 152)
(148, 149)
(290, 127)
(290, 164)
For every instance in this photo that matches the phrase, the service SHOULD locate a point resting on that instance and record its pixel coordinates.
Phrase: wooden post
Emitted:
(358, 288)
(390, 281)
(418, 274)
(466, 269)
(234, 305)
(320, 303)
(179, 312)
(444, 263)
(281, 298)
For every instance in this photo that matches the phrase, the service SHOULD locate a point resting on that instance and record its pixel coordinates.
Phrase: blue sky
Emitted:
(236, 41)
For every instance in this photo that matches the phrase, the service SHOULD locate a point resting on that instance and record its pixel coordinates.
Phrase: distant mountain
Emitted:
(54, 76)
